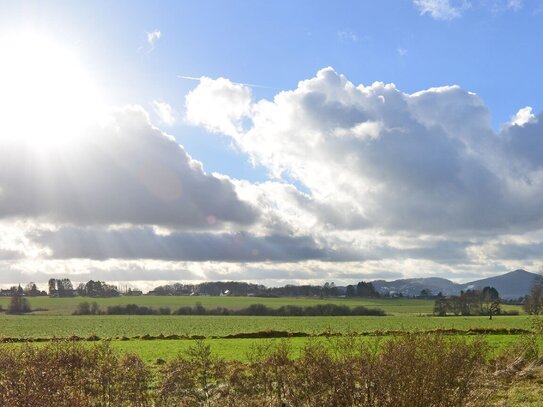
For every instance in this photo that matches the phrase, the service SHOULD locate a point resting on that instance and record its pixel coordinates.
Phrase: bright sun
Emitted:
(46, 98)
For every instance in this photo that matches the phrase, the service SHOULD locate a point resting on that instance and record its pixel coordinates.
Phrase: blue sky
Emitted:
(492, 49)
(143, 54)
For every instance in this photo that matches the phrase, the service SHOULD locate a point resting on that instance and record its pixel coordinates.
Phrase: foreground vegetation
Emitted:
(412, 370)
(159, 360)
(408, 370)
(162, 336)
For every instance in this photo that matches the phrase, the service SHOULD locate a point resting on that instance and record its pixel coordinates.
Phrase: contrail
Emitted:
(251, 85)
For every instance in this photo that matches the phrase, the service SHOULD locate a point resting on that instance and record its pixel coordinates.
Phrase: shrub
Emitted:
(254, 309)
(191, 379)
(411, 370)
(86, 308)
(405, 371)
(69, 374)
(18, 305)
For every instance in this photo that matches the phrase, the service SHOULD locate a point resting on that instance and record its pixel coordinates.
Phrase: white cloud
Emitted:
(153, 37)
(425, 162)
(164, 111)
(523, 116)
(442, 9)
(122, 171)
(369, 182)
(219, 105)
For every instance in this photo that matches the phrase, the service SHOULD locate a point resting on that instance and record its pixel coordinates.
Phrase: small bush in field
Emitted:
(18, 305)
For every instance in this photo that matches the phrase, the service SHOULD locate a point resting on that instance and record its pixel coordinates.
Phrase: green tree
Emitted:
(425, 293)
(31, 290)
(52, 284)
(364, 289)
(490, 294)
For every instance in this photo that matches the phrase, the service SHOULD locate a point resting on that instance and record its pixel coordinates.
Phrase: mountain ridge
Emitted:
(510, 285)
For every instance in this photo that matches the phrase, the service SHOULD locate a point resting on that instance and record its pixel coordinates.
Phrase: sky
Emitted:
(273, 142)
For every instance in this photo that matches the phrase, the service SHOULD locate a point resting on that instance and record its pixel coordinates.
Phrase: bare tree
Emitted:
(533, 304)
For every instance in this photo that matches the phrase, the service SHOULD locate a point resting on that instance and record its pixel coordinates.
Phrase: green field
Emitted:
(402, 315)
(238, 349)
(35, 326)
(66, 306)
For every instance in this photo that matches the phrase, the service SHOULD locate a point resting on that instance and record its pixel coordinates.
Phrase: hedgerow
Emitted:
(409, 370)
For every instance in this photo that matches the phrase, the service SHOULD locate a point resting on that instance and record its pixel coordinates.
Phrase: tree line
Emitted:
(64, 288)
(470, 302)
(237, 288)
(86, 308)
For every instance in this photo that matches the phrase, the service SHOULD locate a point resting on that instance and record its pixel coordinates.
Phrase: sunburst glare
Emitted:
(46, 97)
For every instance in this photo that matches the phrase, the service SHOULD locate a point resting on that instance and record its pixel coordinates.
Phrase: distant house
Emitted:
(6, 293)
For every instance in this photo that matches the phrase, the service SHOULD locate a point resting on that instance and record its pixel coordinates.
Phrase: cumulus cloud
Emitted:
(122, 171)
(523, 142)
(219, 105)
(427, 162)
(523, 116)
(442, 9)
(367, 182)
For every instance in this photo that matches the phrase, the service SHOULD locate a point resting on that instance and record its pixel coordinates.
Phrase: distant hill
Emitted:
(413, 286)
(510, 285)
(514, 284)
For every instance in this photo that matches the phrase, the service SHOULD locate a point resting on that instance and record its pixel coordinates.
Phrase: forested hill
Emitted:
(510, 285)
(514, 284)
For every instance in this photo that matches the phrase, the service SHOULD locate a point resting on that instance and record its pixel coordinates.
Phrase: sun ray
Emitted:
(46, 97)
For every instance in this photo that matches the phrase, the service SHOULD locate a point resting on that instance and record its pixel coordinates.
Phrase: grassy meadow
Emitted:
(131, 332)
(66, 306)
(113, 326)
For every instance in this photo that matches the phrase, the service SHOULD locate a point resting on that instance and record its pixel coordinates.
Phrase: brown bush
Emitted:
(191, 379)
(409, 370)
(70, 374)
(426, 370)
